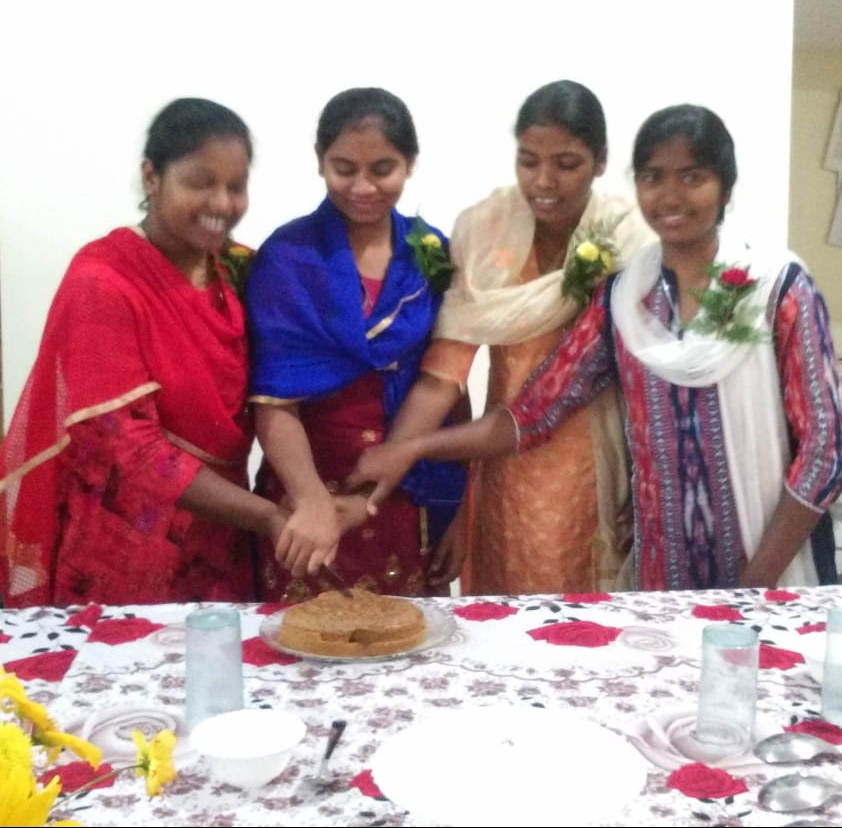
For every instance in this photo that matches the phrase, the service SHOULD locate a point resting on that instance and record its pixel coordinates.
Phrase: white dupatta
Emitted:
(748, 386)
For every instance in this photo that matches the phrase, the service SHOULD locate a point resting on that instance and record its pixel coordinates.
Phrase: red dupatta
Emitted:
(124, 323)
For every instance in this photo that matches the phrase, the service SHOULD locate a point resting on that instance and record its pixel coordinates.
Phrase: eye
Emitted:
(384, 168)
(647, 177)
(528, 162)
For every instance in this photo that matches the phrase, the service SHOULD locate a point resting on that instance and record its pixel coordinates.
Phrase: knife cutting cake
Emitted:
(352, 623)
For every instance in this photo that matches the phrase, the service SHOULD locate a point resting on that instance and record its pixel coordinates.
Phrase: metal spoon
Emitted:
(792, 746)
(797, 792)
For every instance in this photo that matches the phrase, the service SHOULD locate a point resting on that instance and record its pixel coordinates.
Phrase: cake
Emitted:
(352, 623)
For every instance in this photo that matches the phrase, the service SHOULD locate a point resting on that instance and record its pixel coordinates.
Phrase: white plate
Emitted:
(440, 626)
(509, 765)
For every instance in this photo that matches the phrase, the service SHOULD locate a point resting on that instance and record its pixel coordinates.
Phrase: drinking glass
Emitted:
(832, 671)
(727, 686)
(213, 663)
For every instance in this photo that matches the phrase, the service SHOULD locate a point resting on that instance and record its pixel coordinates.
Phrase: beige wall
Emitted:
(816, 87)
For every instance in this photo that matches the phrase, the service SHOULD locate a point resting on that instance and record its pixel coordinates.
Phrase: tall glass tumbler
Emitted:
(214, 663)
(832, 671)
(727, 687)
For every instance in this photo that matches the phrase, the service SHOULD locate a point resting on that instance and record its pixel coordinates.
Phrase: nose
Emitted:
(544, 177)
(362, 186)
(221, 200)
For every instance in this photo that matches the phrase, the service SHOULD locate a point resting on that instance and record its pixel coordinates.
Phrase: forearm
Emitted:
(287, 448)
(492, 435)
(216, 498)
(426, 405)
(786, 533)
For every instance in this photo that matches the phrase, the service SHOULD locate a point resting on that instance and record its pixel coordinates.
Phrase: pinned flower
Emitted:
(590, 258)
(723, 310)
(30, 743)
(236, 260)
(431, 255)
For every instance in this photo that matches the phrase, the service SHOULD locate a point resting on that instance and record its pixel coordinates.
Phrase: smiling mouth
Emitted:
(213, 224)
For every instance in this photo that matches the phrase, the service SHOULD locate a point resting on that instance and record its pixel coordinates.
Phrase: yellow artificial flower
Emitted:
(239, 250)
(431, 240)
(45, 732)
(154, 760)
(607, 260)
(22, 801)
(588, 251)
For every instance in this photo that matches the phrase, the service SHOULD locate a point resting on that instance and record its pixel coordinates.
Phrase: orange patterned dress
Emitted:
(534, 525)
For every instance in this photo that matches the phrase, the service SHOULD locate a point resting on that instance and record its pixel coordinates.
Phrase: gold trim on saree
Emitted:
(76, 417)
(278, 402)
(386, 322)
(200, 454)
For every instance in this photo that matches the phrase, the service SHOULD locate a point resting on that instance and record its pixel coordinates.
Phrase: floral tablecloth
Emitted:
(627, 661)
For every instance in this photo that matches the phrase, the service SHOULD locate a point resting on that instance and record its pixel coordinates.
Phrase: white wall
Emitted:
(81, 79)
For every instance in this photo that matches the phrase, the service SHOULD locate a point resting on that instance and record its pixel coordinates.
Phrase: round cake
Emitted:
(352, 623)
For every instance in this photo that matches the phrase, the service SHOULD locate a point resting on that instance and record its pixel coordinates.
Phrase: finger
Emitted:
(376, 498)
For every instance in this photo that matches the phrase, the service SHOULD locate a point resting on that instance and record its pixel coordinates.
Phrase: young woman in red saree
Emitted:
(124, 471)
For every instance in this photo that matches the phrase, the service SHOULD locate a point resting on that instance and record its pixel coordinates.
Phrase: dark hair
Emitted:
(349, 108)
(709, 139)
(566, 104)
(185, 124)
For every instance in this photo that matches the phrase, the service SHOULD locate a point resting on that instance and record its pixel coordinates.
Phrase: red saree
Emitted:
(139, 380)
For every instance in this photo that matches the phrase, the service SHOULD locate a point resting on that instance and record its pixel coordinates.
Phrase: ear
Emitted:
(410, 166)
(321, 160)
(601, 162)
(150, 179)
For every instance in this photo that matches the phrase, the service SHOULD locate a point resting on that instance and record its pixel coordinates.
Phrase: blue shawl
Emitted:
(309, 337)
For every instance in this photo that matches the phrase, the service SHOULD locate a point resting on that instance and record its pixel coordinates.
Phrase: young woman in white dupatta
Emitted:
(728, 370)
(546, 521)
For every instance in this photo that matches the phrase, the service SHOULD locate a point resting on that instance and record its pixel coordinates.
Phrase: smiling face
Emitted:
(680, 200)
(364, 174)
(196, 200)
(555, 171)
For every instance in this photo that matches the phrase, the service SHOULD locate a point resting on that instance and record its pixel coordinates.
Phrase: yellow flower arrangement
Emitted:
(236, 260)
(31, 742)
(591, 256)
(431, 256)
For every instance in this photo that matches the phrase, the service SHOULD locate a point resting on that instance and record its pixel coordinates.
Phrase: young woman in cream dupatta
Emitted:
(733, 408)
(548, 520)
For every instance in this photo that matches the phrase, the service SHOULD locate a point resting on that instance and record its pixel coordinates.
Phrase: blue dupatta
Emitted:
(309, 337)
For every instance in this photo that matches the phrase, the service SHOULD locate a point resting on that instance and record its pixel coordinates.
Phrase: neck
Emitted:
(191, 262)
(690, 263)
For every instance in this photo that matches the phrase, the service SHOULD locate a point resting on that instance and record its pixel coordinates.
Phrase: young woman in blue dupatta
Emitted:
(339, 315)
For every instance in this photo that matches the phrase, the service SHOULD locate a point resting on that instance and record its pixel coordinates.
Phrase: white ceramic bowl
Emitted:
(812, 647)
(249, 747)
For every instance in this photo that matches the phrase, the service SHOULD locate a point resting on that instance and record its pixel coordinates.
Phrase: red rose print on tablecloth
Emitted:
(703, 782)
(4, 638)
(780, 595)
(586, 597)
(576, 634)
(485, 611)
(47, 666)
(810, 628)
(257, 652)
(366, 785)
(818, 727)
(86, 617)
(122, 630)
(717, 612)
(776, 658)
(75, 775)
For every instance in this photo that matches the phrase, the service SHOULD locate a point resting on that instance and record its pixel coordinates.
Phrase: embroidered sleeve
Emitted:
(569, 377)
(810, 383)
(124, 456)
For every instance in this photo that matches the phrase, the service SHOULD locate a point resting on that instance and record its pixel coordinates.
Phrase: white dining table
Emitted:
(559, 709)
